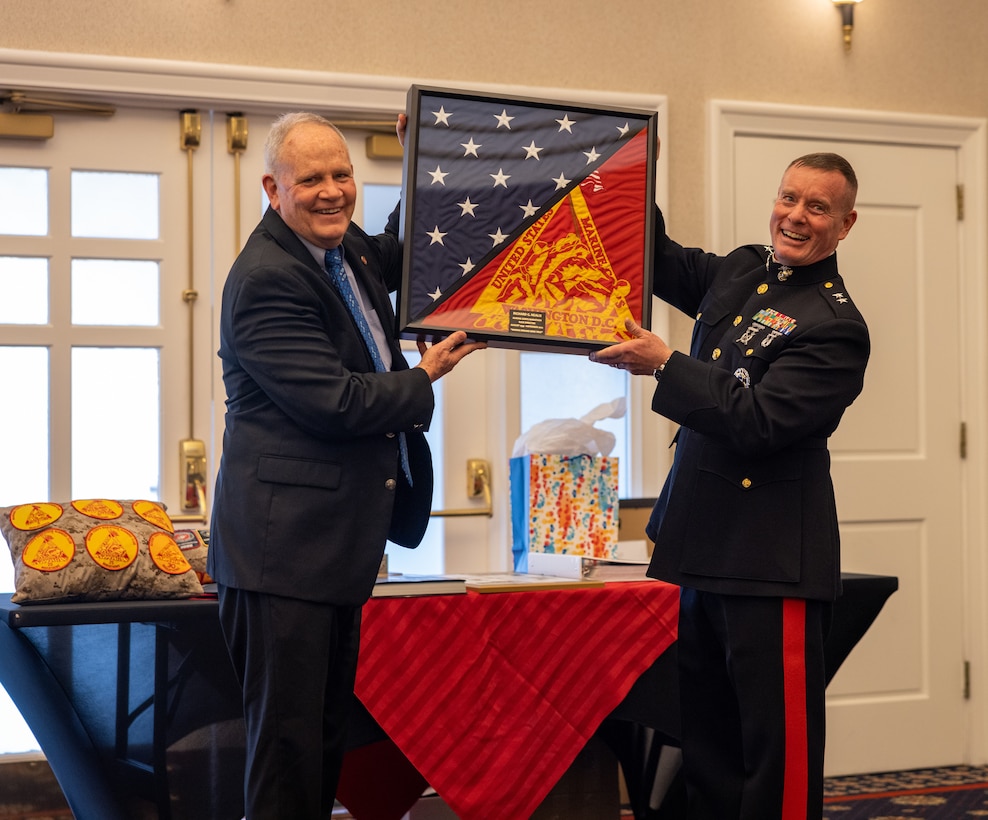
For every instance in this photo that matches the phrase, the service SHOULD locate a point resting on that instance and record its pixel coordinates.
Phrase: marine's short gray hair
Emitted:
(280, 129)
(832, 162)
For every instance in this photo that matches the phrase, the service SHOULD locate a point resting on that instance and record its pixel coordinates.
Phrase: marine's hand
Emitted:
(640, 356)
(438, 359)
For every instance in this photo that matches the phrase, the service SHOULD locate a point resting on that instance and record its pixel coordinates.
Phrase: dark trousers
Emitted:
(752, 686)
(296, 662)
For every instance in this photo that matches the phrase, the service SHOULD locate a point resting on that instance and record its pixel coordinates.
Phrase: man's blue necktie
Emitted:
(337, 274)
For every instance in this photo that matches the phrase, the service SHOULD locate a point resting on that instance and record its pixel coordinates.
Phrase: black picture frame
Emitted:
(527, 223)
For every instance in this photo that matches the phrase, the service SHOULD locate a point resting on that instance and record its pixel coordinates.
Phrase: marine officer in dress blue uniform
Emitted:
(746, 523)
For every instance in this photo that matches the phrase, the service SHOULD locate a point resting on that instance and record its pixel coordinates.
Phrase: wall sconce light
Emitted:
(847, 17)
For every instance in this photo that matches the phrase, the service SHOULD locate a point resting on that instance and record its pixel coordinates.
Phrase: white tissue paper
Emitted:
(572, 437)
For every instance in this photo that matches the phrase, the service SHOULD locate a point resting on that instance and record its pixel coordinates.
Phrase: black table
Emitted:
(135, 705)
(137, 709)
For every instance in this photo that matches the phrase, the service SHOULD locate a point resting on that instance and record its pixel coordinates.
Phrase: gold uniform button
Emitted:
(763, 288)
(716, 354)
(737, 321)
(390, 484)
(829, 285)
(746, 483)
(699, 314)
(749, 351)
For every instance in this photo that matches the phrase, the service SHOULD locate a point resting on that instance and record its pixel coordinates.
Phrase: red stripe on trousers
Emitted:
(794, 792)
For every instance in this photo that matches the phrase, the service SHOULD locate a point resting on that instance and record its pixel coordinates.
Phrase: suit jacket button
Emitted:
(390, 435)
(390, 483)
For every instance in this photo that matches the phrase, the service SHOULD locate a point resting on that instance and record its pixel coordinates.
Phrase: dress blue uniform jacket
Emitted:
(310, 486)
(748, 507)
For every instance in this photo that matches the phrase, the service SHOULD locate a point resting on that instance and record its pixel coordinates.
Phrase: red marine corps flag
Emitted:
(526, 223)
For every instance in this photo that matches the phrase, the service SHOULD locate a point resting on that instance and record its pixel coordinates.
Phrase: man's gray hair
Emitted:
(280, 129)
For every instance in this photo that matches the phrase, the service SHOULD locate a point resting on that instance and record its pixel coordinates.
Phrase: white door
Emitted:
(106, 307)
(897, 701)
(93, 264)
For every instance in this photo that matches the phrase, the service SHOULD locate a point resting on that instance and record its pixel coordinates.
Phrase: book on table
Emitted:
(587, 568)
(396, 584)
(525, 582)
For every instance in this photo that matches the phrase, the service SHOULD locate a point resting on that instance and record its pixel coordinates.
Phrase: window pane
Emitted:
(23, 290)
(23, 434)
(116, 400)
(114, 205)
(565, 386)
(429, 558)
(114, 292)
(379, 202)
(23, 201)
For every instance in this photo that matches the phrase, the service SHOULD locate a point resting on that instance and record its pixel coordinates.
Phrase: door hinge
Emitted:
(960, 203)
(963, 440)
(967, 680)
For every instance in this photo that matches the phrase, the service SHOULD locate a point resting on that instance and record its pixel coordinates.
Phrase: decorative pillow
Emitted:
(95, 550)
(195, 547)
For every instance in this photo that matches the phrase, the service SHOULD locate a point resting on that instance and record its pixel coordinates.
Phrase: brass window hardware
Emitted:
(478, 484)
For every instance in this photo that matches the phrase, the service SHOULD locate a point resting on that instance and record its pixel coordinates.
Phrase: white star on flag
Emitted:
(561, 182)
(498, 237)
(566, 124)
(500, 178)
(531, 152)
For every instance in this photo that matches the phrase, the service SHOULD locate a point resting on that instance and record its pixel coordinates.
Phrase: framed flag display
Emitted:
(526, 223)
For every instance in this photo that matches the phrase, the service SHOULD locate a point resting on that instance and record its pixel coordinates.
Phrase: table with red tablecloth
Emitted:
(491, 696)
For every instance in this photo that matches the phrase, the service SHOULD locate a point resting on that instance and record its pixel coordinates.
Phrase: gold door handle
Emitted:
(478, 484)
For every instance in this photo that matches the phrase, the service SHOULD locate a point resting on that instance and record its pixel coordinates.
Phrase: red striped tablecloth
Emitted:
(491, 696)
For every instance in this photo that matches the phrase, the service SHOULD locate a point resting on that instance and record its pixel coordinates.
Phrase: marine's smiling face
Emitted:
(812, 214)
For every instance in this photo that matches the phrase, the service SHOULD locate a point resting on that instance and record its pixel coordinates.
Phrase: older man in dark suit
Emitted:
(747, 523)
(324, 459)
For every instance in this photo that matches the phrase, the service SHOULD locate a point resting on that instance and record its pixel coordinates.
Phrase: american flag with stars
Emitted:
(485, 178)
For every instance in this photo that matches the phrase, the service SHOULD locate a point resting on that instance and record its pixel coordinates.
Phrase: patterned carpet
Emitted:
(952, 793)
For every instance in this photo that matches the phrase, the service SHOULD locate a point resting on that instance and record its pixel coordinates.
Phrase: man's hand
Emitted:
(641, 356)
(441, 357)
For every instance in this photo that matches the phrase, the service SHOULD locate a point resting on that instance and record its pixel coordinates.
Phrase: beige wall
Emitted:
(908, 55)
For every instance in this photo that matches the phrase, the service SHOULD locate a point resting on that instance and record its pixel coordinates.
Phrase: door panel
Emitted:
(80, 449)
(896, 702)
(130, 146)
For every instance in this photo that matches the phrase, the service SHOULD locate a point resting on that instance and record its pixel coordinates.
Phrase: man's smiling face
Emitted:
(812, 214)
(312, 186)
